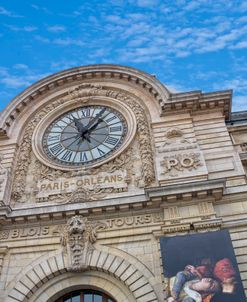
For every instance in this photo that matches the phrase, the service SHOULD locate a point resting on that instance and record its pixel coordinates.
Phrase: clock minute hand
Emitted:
(94, 125)
(92, 122)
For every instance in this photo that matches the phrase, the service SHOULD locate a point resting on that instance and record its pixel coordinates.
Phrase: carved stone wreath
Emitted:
(78, 95)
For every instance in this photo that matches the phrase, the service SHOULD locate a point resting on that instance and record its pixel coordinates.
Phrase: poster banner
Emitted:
(201, 268)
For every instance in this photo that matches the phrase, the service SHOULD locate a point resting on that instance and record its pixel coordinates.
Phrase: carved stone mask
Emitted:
(76, 225)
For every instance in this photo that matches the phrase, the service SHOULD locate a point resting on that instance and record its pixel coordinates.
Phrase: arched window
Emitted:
(86, 295)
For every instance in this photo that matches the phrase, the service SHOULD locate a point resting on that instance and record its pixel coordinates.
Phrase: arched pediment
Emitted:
(131, 279)
(24, 105)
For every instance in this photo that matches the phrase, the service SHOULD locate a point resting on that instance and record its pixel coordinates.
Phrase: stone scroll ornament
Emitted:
(79, 237)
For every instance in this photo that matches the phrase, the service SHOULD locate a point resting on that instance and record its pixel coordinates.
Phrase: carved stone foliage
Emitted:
(175, 140)
(82, 94)
(79, 237)
(180, 162)
(24, 155)
(180, 157)
(79, 195)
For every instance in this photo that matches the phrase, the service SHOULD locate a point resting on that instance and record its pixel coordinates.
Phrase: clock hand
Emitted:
(95, 125)
(80, 128)
(78, 125)
(92, 122)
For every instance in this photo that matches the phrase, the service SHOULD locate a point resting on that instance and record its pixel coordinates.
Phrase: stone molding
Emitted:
(181, 227)
(126, 268)
(3, 252)
(77, 76)
(195, 100)
(4, 182)
(187, 191)
(67, 282)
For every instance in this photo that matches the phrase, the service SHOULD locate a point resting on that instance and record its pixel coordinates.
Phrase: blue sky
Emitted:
(188, 45)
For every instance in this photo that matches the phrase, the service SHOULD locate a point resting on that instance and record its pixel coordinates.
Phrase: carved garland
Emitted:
(78, 95)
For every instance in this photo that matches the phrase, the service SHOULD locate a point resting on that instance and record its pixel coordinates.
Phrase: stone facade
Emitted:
(181, 170)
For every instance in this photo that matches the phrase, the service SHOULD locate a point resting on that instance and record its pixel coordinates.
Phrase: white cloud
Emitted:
(24, 28)
(20, 78)
(239, 85)
(8, 13)
(69, 41)
(147, 3)
(239, 103)
(41, 8)
(56, 28)
(240, 45)
(42, 39)
(243, 6)
(21, 66)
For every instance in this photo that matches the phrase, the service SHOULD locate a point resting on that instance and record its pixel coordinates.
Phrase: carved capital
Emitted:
(178, 228)
(207, 225)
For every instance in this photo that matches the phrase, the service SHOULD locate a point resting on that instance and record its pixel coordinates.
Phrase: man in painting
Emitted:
(226, 274)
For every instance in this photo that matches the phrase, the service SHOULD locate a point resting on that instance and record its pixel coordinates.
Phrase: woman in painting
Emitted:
(198, 290)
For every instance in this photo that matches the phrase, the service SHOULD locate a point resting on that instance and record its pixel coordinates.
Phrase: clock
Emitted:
(85, 135)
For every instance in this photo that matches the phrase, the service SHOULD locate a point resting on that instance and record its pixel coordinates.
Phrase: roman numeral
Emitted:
(111, 119)
(83, 157)
(116, 128)
(59, 126)
(86, 112)
(111, 140)
(56, 149)
(67, 155)
(53, 138)
(101, 152)
(70, 117)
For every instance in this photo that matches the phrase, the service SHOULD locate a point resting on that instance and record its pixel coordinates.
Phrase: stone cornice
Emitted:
(187, 191)
(195, 100)
(153, 199)
(48, 212)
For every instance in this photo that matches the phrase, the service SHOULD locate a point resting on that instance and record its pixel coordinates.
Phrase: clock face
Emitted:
(84, 135)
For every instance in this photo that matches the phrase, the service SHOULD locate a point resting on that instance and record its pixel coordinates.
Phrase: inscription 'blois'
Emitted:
(26, 232)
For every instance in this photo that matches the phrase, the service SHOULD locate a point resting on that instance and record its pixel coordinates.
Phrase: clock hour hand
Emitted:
(78, 124)
(80, 127)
